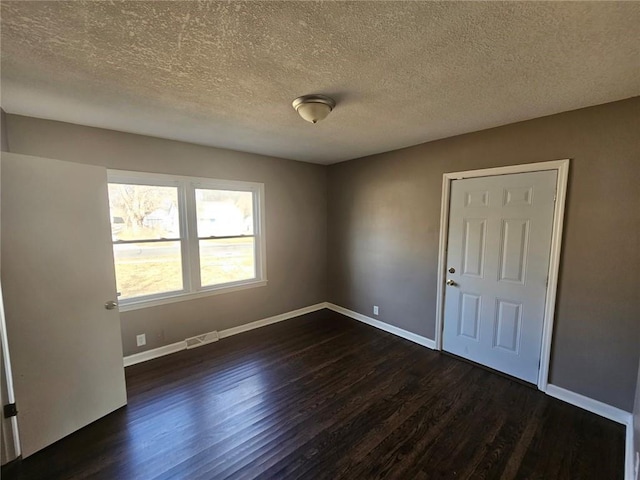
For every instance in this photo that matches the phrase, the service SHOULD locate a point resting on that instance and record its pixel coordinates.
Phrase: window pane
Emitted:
(226, 260)
(147, 268)
(143, 212)
(224, 212)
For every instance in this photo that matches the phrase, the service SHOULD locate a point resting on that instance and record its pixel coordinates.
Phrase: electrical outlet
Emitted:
(141, 339)
(636, 465)
(376, 310)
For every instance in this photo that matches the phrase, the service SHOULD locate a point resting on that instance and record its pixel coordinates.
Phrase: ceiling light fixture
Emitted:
(314, 108)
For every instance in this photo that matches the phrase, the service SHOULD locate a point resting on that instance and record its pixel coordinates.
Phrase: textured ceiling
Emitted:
(225, 73)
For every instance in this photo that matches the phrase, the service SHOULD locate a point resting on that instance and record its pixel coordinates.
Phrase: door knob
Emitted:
(110, 305)
(451, 283)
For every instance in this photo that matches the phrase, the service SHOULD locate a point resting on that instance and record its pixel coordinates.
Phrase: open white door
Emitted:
(57, 276)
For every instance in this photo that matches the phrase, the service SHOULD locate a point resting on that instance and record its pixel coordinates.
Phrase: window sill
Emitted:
(182, 297)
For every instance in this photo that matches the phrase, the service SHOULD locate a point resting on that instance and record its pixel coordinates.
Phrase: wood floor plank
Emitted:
(325, 397)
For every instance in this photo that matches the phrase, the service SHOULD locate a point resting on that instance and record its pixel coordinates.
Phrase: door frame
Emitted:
(11, 435)
(562, 168)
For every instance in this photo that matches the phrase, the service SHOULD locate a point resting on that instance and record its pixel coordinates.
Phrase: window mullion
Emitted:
(259, 232)
(192, 237)
(184, 237)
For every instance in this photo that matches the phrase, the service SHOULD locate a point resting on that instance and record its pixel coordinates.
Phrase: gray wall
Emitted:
(384, 214)
(295, 221)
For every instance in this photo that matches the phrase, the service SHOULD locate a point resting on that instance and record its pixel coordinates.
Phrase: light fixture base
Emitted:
(315, 98)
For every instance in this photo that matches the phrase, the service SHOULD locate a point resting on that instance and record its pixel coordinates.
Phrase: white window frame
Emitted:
(189, 241)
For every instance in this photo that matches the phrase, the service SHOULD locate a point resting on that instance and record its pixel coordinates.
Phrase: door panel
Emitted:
(498, 245)
(507, 331)
(473, 249)
(57, 274)
(514, 243)
(469, 316)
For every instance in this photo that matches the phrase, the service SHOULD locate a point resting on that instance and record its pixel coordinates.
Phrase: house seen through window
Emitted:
(175, 236)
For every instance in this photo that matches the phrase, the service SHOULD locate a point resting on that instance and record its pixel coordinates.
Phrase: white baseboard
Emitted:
(589, 404)
(413, 337)
(607, 411)
(154, 353)
(182, 345)
(268, 321)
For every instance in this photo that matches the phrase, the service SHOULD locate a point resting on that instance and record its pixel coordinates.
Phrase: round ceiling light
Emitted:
(314, 108)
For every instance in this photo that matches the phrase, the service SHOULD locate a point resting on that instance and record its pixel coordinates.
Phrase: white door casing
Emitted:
(57, 275)
(497, 264)
(560, 167)
(9, 436)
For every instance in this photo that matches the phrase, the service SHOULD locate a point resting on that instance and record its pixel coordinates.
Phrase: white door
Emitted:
(57, 275)
(497, 265)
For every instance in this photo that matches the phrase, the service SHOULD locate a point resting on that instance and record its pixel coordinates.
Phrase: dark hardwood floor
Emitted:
(325, 397)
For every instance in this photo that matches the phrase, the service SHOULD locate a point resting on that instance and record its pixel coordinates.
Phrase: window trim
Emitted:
(189, 240)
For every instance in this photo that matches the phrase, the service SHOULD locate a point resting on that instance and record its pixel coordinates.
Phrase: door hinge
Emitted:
(10, 410)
